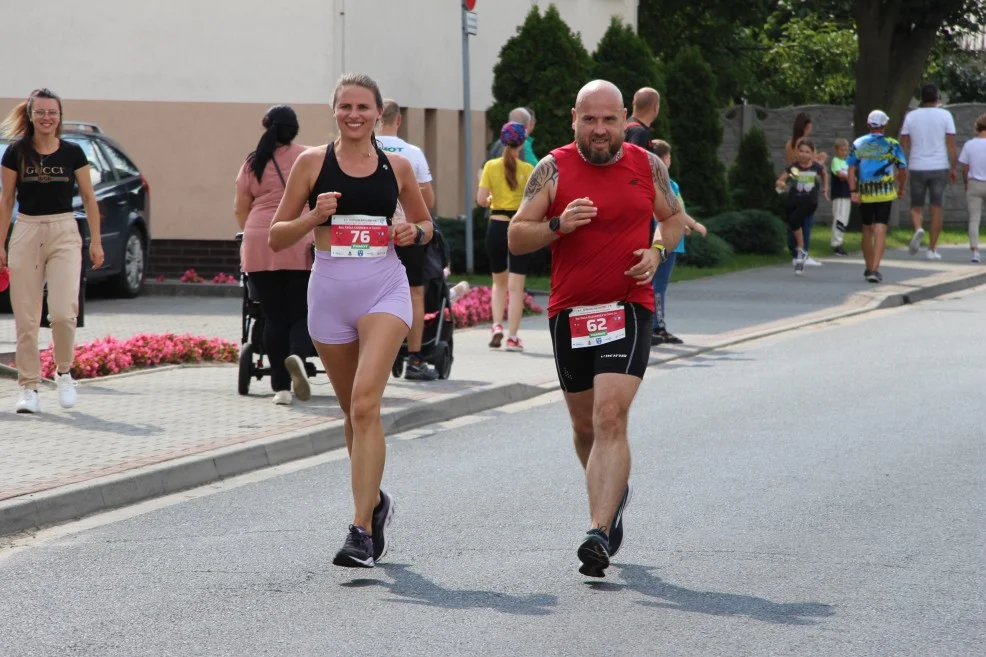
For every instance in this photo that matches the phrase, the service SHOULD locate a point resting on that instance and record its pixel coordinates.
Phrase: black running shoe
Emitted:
(866, 274)
(418, 370)
(839, 251)
(872, 277)
(616, 533)
(357, 551)
(594, 554)
(382, 516)
(671, 338)
(879, 276)
(656, 338)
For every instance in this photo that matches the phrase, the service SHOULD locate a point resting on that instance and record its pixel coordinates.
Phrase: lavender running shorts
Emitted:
(343, 290)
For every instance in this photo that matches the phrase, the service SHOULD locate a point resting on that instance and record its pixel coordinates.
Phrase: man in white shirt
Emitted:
(928, 139)
(412, 256)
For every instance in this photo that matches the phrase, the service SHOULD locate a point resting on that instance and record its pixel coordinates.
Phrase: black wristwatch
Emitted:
(554, 224)
(420, 235)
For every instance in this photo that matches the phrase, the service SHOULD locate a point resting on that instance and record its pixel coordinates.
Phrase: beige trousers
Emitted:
(974, 197)
(44, 248)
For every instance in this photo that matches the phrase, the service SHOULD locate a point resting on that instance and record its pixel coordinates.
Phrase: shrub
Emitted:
(750, 231)
(543, 67)
(696, 133)
(708, 251)
(752, 178)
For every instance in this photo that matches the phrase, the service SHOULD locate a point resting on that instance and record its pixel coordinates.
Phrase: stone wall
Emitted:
(828, 123)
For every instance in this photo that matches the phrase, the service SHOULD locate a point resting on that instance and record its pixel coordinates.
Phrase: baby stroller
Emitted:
(436, 342)
(252, 339)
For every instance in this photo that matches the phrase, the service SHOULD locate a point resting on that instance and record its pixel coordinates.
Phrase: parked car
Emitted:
(123, 197)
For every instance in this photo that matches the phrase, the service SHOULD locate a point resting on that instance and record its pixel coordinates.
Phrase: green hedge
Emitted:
(750, 231)
(709, 251)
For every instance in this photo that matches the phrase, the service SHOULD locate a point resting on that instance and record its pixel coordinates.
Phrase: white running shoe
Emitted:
(299, 377)
(975, 256)
(282, 398)
(458, 290)
(933, 255)
(811, 262)
(66, 390)
(915, 243)
(29, 402)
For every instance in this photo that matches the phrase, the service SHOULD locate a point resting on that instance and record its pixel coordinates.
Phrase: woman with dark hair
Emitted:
(801, 130)
(359, 298)
(41, 170)
(280, 279)
(502, 188)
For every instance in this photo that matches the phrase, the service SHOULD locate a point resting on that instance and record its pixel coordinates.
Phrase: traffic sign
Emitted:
(472, 24)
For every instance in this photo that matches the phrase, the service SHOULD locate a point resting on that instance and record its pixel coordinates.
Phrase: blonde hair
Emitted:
(841, 142)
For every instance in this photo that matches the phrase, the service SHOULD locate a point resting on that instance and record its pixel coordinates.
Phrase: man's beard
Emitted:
(596, 157)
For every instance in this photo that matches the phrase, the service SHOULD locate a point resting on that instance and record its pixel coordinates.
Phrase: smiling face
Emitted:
(46, 116)
(599, 120)
(356, 112)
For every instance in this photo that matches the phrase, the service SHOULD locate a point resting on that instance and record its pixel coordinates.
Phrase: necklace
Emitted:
(615, 159)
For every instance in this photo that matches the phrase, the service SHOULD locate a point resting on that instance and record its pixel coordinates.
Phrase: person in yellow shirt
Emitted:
(502, 189)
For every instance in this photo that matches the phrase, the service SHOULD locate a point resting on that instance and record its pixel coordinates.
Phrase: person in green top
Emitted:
(839, 193)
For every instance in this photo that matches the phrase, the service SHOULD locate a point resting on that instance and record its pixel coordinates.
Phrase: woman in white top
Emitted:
(973, 161)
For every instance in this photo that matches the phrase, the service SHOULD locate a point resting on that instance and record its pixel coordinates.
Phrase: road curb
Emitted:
(67, 503)
(105, 493)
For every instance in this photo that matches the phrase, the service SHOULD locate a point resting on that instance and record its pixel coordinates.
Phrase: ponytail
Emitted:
(510, 166)
(281, 123)
(17, 124)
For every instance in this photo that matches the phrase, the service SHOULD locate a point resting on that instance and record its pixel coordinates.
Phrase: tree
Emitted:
(625, 59)
(751, 178)
(543, 67)
(696, 133)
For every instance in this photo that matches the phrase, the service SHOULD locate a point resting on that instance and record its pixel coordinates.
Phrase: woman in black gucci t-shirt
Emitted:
(39, 171)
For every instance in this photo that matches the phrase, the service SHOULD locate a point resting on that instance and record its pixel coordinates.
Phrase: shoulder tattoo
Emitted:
(662, 182)
(544, 174)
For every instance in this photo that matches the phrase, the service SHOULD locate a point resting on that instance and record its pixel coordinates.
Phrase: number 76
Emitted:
(360, 236)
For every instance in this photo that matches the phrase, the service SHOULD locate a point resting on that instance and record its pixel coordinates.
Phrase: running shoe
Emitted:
(616, 531)
(872, 277)
(933, 255)
(357, 551)
(383, 515)
(879, 276)
(975, 256)
(299, 377)
(839, 251)
(915, 242)
(668, 338)
(594, 554)
(497, 336)
(657, 337)
(866, 274)
(418, 370)
(514, 344)
(799, 263)
(811, 262)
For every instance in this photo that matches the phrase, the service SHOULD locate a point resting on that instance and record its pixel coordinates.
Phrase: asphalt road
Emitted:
(817, 493)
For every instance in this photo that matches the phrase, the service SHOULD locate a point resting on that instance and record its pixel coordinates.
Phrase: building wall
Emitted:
(183, 84)
(828, 123)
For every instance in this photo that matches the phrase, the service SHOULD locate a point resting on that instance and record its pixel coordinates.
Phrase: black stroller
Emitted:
(436, 342)
(252, 339)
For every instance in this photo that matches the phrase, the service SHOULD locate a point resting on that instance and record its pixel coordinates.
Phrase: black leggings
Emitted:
(283, 297)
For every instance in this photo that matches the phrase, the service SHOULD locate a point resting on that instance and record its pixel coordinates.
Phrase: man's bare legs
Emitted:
(936, 226)
(868, 247)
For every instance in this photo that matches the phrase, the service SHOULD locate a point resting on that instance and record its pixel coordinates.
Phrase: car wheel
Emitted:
(130, 280)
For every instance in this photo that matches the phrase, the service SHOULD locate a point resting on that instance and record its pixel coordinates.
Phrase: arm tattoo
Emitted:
(662, 183)
(544, 174)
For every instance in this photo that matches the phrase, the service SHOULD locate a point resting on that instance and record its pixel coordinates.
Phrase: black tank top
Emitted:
(375, 195)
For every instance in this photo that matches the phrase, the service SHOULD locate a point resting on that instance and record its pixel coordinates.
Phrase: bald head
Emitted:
(599, 91)
(391, 110)
(646, 101)
(519, 115)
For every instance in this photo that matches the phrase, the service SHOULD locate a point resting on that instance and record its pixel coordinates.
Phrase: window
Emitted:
(99, 170)
(123, 166)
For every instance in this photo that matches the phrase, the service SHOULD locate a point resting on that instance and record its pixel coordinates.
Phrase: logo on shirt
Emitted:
(45, 174)
(633, 181)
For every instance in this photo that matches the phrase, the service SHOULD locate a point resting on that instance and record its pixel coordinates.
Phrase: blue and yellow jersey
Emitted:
(876, 158)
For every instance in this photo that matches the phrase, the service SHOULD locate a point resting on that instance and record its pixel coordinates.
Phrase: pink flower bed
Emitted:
(192, 276)
(112, 356)
(474, 308)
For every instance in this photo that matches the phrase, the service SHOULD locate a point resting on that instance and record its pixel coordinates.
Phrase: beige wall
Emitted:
(183, 84)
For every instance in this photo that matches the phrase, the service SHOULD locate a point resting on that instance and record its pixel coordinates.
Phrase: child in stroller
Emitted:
(436, 342)
(252, 352)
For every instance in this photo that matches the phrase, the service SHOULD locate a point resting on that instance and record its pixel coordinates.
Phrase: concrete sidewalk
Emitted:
(136, 436)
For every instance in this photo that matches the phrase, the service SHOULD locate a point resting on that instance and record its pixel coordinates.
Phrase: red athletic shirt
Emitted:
(588, 264)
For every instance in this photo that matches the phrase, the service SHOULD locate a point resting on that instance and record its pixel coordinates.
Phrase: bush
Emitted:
(708, 251)
(696, 133)
(542, 67)
(751, 178)
(750, 231)
(624, 58)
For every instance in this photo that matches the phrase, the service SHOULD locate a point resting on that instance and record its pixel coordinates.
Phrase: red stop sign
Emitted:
(469, 4)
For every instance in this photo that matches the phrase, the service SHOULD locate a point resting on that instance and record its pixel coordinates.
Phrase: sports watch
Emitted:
(663, 252)
(555, 225)
(419, 235)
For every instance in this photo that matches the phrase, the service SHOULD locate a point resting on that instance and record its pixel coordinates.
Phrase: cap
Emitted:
(513, 134)
(877, 119)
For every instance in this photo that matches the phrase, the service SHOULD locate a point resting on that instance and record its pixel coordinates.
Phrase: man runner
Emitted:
(601, 195)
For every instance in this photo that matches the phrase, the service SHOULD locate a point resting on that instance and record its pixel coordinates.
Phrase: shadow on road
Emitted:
(640, 579)
(412, 588)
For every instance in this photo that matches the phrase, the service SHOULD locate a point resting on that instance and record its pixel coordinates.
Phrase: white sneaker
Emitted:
(282, 398)
(975, 256)
(811, 262)
(915, 243)
(66, 390)
(933, 255)
(458, 290)
(299, 377)
(29, 402)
